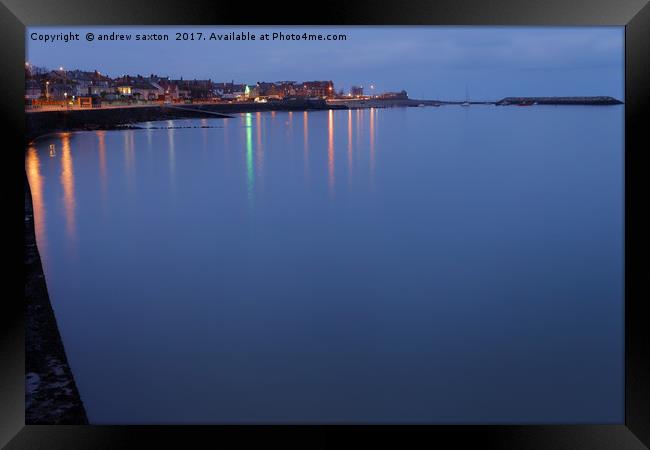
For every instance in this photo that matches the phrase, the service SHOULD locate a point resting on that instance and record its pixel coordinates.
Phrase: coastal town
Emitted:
(61, 89)
(72, 89)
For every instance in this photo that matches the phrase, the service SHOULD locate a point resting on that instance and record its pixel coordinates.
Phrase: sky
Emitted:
(488, 63)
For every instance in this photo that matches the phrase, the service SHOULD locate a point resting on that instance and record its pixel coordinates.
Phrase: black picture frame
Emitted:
(634, 433)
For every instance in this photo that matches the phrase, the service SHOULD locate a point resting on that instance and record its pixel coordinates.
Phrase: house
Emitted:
(171, 91)
(230, 91)
(32, 90)
(317, 89)
(141, 90)
(58, 91)
(195, 89)
(81, 82)
(356, 91)
(96, 90)
(139, 87)
(148, 91)
(277, 89)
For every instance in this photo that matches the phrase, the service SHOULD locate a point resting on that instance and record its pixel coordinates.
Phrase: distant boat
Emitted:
(466, 102)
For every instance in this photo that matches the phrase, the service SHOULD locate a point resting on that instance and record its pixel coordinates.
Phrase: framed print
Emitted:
(312, 224)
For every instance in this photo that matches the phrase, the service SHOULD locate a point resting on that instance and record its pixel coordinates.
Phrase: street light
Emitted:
(65, 78)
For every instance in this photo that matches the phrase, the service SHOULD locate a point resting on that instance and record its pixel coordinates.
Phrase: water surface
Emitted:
(387, 265)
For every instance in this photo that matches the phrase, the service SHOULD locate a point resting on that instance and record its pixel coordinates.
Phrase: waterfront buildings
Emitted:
(44, 86)
(356, 91)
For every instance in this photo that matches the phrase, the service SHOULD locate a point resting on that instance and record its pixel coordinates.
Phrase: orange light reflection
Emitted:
(349, 144)
(67, 181)
(330, 149)
(36, 187)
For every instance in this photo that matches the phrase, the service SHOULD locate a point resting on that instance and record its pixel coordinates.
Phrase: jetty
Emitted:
(594, 101)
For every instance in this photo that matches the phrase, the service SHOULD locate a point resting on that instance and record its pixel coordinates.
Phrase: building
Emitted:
(81, 82)
(147, 91)
(321, 89)
(60, 84)
(276, 89)
(356, 91)
(401, 95)
(195, 89)
(231, 91)
(98, 90)
(140, 88)
(58, 91)
(171, 91)
(32, 90)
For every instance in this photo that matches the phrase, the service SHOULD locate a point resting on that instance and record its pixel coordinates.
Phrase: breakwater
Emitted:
(354, 103)
(594, 101)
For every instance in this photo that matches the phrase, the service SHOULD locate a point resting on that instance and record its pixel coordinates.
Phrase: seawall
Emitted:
(44, 122)
(284, 105)
(51, 395)
(39, 123)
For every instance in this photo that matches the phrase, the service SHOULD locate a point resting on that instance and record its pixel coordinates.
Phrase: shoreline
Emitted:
(51, 394)
(42, 123)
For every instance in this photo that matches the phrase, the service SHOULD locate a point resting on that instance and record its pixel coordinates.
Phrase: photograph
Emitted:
(361, 223)
(325, 225)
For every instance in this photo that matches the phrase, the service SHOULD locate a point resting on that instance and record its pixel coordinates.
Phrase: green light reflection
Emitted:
(249, 158)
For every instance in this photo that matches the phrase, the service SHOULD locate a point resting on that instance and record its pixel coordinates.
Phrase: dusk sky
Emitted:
(428, 62)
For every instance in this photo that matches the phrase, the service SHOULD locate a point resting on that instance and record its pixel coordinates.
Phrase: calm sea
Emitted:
(386, 265)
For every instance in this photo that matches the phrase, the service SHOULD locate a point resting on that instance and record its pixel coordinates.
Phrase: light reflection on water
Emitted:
(67, 181)
(350, 144)
(375, 265)
(33, 168)
(249, 159)
(305, 133)
(330, 150)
